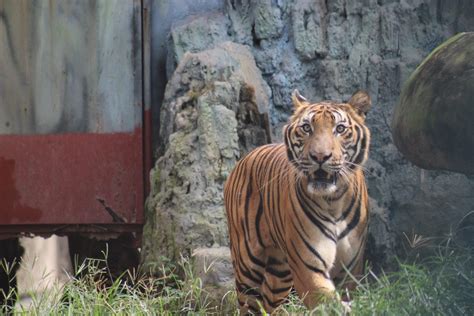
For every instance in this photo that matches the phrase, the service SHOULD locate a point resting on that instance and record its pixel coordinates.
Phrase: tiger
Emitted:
(297, 211)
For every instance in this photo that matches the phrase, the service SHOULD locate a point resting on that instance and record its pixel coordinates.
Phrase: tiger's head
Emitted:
(328, 142)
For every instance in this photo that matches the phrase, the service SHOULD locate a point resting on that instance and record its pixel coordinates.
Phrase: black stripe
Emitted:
(329, 234)
(311, 267)
(289, 145)
(272, 204)
(293, 207)
(348, 209)
(252, 258)
(354, 147)
(314, 251)
(243, 269)
(278, 290)
(262, 166)
(279, 274)
(277, 220)
(362, 152)
(245, 289)
(363, 147)
(304, 240)
(247, 204)
(279, 211)
(308, 200)
(274, 239)
(258, 217)
(273, 261)
(236, 188)
(242, 164)
(246, 224)
(294, 271)
(353, 223)
(272, 304)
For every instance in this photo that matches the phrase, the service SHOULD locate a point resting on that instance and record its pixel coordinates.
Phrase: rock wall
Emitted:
(328, 49)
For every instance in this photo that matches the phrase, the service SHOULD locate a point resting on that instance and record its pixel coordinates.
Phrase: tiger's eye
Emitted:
(340, 128)
(306, 128)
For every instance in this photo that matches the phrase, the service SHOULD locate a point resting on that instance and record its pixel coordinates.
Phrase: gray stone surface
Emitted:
(215, 110)
(214, 267)
(329, 51)
(309, 28)
(194, 34)
(439, 207)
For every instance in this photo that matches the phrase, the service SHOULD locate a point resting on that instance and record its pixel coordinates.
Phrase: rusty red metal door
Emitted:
(73, 121)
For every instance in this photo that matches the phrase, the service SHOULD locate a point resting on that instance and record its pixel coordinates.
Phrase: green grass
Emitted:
(442, 284)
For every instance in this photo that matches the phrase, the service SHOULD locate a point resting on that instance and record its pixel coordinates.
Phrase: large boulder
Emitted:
(215, 110)
(433, 122)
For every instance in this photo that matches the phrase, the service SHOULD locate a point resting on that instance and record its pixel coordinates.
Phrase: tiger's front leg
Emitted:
(310, 261)
(313, 286)
(314, 289)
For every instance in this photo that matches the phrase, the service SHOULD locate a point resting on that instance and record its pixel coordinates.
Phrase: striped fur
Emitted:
(290, 229)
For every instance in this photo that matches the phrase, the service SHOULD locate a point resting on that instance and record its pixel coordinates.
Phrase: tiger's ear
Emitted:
(298, 99)
(361, 102)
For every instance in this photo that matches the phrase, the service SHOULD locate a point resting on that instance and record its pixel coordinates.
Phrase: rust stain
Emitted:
(11, 207)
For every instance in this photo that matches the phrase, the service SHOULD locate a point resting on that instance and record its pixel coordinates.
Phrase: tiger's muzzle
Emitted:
(323, 180)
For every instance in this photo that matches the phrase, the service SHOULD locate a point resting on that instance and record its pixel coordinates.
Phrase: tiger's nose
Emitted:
(320, 157)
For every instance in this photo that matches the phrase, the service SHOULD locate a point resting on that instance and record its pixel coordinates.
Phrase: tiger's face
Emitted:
(328, 141)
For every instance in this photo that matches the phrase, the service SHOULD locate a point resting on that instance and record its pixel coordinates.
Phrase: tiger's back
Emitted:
(284, 233)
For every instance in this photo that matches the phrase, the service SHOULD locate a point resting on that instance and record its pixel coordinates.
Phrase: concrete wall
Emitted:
(69, 66)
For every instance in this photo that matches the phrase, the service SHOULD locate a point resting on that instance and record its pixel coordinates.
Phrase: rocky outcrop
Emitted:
(215, 110)
(433, 122)
(328, 49)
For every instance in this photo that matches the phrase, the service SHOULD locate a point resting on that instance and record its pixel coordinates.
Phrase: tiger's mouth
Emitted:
(321, 179)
